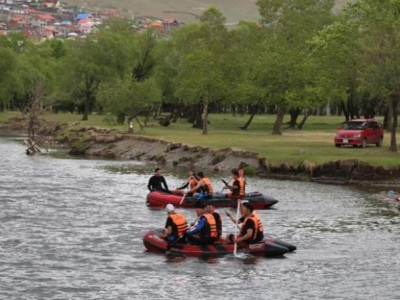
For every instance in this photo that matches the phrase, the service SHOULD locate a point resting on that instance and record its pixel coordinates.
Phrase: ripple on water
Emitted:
(72, 229)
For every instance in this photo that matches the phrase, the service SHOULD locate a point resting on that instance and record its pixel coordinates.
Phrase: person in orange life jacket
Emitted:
(210, 208)
(205, 231)
(157, 182)
(191, 183)
(205, 187)
(176, 225)
(241, 175)
(249, 231)
(260, 231)
(237, 188)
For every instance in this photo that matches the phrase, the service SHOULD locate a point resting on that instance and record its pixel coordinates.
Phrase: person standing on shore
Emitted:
(157, 182)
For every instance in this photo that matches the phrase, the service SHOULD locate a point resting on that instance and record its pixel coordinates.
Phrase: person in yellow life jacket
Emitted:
(204, 188)
(191, 183)
(237, 188)
(176, 225)
(210, 208)
(205, 232)
(249, 220)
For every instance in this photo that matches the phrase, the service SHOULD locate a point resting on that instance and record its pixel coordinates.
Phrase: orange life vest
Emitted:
(207, 185)
(192, 183)
(259, 224)
(211, 224)
(180, 224)
(254, 219)
(241, 186)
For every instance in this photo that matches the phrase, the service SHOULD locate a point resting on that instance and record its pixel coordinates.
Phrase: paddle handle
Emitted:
(236, 227)
(183, 198)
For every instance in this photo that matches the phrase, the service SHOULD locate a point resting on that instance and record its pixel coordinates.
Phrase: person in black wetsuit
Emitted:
(157, 182)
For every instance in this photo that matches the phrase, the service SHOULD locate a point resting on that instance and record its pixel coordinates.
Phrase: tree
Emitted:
(379, 25)
(8, 76)
(241, 63)
(129, 98)
(90, 61)
(291, 23)
(200, 78)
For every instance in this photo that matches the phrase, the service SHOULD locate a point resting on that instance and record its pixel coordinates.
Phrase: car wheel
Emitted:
(338, 145)
(364, 143)
(379, 143)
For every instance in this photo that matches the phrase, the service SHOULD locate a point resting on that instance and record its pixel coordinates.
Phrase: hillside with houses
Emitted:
(48, 19)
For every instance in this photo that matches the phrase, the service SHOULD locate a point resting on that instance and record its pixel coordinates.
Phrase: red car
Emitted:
(359, 133)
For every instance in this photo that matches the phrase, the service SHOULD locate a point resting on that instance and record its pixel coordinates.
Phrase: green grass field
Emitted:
(313, 144)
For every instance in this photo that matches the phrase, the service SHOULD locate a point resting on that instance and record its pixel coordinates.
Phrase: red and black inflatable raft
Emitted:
(270, 247)
(161, 199)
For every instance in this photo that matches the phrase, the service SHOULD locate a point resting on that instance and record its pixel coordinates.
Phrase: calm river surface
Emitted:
(72, 229)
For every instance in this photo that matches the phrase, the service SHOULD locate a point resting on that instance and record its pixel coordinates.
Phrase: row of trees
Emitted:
(300, 58)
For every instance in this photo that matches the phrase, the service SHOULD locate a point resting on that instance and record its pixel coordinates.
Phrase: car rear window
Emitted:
(354, 125)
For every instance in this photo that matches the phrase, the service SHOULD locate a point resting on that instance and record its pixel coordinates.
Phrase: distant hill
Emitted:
(182, 10)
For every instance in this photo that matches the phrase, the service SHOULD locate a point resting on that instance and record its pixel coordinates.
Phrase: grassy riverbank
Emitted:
(313, 144)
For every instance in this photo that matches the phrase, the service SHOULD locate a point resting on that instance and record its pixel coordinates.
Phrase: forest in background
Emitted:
(301, 58)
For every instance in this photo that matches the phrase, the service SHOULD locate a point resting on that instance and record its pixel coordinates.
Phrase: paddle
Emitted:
(226, 184)
(183, 198)
(240, 255)
(236, 228)
(169, 246)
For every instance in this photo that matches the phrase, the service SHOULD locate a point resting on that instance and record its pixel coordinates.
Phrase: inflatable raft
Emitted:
(270, 247)
(161, 199)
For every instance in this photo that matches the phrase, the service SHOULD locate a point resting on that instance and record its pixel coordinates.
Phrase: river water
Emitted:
(72, 229)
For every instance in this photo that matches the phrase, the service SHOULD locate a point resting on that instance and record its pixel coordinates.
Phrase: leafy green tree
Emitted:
(291, 23)
(379, 25)
(8, 76)
(130, 98)
(241, 63)
(200, 78)
(90, 61)
(134, 91)
(337, 54)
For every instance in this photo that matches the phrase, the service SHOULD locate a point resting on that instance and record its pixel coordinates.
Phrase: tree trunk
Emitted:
(85, 116)
(176, 113)
(294, 114)
(253, 109)
(345, 112)
(204, 116)
(280, 113)
(245, 126)
(387, 121)
(195, 115)
(395, 109)
(305, 116)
